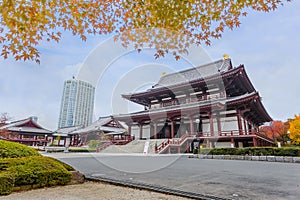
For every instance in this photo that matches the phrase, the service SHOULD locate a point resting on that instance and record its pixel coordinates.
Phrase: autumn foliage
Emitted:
(277, 130)
(295, 129)
(166, 25)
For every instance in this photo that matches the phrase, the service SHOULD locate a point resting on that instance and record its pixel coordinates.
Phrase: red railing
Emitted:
(182, 139)
(167, 142)
(122, 140)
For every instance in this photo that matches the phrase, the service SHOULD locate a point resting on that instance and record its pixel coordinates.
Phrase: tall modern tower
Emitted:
(77, 104)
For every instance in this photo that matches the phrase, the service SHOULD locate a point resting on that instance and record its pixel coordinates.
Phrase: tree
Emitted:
(167, 25)
(295, 129)
(277, 130)
(4, 118)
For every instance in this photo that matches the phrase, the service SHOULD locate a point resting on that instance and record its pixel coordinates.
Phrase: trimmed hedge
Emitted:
(82, 150)
(67, 166)
(15, 150)
(254, 151)
(6, 183)
(39, 171)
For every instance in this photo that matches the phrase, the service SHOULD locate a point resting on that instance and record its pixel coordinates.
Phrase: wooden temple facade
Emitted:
(106, 129)
(214, 105)
(26, 131)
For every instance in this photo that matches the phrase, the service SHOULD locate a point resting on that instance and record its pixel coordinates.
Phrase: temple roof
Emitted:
(27, 125)
(232, 80)
(258, 112)
(194, 73)
(67, 130)
(106, 124)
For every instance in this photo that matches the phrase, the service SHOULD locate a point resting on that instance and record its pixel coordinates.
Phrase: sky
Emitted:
(266, 43)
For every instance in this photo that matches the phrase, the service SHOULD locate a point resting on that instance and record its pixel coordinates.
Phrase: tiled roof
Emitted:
(29, 130)
(196, 73)
(67, 130)
(99, 125)
(19, 126)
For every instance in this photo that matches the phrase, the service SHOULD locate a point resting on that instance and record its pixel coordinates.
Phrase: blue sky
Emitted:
(266, 43)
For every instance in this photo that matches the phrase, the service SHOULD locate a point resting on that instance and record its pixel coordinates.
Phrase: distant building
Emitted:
(77, 104)
(106, 129)
(26, 131)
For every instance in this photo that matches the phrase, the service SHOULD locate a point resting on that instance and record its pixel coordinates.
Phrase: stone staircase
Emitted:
(136, 146)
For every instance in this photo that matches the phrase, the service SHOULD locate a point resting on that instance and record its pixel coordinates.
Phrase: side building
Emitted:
(26, 131)
(77, 104)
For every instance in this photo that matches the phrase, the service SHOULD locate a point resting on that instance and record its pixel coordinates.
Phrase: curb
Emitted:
(155, 188)
(285, 159)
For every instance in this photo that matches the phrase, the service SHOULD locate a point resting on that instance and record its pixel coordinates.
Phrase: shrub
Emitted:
(82, 150)
(67, 166)
(6, 183)
(254, 151)
(34, 170)
(15, 150)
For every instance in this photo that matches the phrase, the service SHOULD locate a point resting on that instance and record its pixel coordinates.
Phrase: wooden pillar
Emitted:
(141, 131)
(219, 124)
(191, 126)
(155, 130)
(254, 141)
(200, 127)
(71, 140)
(239, 122)
(245, 127)
(129, 130)
(232, 143)
(65, 141)
(211, 124)
(172, 129)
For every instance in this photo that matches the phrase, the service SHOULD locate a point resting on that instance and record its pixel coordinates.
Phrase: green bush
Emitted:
(37, 170)
(254, 151)
(6, 183)
(288, 151)
(65, 165)
(15, 150)
(82, 150)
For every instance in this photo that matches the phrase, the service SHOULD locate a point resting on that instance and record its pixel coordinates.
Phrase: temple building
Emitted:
(106, 129)
(214, 105)
(26, 131)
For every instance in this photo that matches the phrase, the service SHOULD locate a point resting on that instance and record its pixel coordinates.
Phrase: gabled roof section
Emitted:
(26, 125)
(67, 130)
(236, 82)
(107, 124)
(194, 73)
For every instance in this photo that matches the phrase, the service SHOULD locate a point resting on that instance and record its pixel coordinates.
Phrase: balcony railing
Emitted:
(186, 100)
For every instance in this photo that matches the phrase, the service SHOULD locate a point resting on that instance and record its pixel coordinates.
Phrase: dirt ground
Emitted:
(89, 190)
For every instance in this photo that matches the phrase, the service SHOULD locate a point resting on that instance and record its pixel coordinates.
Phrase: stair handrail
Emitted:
(167, 142)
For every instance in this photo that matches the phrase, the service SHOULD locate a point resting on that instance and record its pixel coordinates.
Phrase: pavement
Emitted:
(231, 179)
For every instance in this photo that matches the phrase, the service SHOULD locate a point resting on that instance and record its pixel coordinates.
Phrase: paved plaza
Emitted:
(223, 178)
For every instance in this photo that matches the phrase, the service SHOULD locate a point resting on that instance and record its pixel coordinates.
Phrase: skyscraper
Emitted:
(77, 104)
